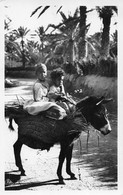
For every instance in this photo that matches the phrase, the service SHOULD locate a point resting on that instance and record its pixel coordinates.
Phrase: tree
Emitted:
(65, 45)
(32, 52)
(70, 42)
(113, 45)
(82, 33)
(41, 33)
(7, 24)
(10, 44)
(66, 28)
(106, 13)
(21, 32)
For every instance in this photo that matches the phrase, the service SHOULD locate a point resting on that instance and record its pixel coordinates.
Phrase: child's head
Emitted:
(57, 77)
(41, 71)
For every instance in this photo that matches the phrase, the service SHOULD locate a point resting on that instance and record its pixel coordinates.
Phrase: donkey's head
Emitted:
(95, 112)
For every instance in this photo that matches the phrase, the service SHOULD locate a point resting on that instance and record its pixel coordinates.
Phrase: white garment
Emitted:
(40, 90)
(34, 108)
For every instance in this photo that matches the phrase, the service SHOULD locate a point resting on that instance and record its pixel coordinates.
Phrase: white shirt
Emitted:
(40, 90)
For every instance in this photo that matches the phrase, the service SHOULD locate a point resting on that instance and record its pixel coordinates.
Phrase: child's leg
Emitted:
(64, 106)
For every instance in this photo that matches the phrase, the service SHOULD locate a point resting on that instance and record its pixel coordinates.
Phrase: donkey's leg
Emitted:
(17, 148)
(61, 160)
(68, 161)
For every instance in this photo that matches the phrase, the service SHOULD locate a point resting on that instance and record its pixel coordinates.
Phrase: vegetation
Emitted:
(70, 45)
(105, 13)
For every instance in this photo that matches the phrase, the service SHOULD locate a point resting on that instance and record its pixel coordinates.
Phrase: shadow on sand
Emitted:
(12, 182)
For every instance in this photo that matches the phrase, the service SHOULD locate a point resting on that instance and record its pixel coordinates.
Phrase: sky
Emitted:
(19, 12)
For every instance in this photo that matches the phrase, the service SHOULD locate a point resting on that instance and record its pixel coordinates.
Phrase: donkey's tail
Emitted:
(10, 124)
(13, 111)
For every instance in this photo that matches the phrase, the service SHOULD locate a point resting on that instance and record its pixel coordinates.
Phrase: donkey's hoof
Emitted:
(61, 182)
(23, 173)
(73, 177)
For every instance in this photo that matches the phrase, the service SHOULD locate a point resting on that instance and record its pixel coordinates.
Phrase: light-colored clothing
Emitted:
(40, 90)
(35, 108)
(55, 91)
(41, 103)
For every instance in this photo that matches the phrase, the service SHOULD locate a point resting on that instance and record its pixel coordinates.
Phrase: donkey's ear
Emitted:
(100, 100)
(105, 101)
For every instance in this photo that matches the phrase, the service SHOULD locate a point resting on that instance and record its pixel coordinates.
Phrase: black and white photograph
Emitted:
(60, 101)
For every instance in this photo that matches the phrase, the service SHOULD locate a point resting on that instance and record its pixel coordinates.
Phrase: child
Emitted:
(57, 92)
(40, 87)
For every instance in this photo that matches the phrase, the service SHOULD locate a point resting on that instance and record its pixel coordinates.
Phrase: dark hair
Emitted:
(56, 74)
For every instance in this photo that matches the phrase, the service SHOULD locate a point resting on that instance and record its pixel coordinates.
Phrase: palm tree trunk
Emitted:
(69, 51)
(42, 46)
(82, 42)
(105, 37)
(23, 54)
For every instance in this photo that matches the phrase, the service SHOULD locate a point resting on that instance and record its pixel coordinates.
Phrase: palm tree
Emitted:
(66, 28)
(41, 33)
(106, 13)
(32, 52)
(82, 33)
(75, 28)
(21, 32)
(65, 45)
(113, 45)
(68, 25)
(70, 42)
(7, 22)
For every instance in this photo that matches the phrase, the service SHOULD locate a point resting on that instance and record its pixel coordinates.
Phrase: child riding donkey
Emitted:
(57, 92)
(53, 100)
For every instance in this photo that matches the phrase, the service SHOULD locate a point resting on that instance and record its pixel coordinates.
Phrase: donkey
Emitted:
(90, 111)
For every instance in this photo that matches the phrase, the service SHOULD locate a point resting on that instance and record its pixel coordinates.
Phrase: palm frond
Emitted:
(91, 45)
(35, 11)
(90, 10)
(76, 13)
(63, 16)
(46, 7)
(58, 10)
(114, 8)
(53, 26)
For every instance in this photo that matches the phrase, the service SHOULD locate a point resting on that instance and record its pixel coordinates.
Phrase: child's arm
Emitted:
(54, 94)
